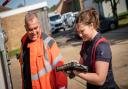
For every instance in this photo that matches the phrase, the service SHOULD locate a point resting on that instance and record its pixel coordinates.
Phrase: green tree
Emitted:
(113, 6)
(53, 8)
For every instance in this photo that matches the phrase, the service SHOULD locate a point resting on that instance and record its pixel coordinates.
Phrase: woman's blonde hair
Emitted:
(89, 16)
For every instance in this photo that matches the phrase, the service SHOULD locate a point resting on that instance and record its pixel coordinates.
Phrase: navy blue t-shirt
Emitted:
(103, 53)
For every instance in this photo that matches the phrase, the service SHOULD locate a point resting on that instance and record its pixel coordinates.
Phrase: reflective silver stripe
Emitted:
(57, 59)
(38, 75)
(47, 69)
(48, 43)
(47, 40)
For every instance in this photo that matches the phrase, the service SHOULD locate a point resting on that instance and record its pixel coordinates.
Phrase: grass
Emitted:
(13, 52)
(123, 19)
(123, 14)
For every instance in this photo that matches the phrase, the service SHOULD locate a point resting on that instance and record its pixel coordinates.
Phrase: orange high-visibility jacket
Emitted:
(44, 57)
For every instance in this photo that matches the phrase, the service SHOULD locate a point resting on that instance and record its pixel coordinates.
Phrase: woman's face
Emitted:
(85, 31)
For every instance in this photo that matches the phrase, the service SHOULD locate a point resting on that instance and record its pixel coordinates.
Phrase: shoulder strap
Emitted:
(48, 41)
(93, 54)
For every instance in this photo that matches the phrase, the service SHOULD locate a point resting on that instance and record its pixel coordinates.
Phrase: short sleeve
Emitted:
(103, 52)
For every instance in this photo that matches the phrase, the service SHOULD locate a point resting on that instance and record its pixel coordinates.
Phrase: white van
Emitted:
(69, 19)
(56, 22)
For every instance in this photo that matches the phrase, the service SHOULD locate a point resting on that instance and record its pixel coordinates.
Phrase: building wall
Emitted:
(59, 7)
(68, 6)
(89, 4)
(14, 28)
(121, 7)
(104, 8)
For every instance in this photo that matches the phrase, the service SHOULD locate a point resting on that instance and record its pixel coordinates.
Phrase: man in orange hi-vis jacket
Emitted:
(39, 57)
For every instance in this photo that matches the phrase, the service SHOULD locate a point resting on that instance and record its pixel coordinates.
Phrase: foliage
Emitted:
(113, 5)
(53, 8)
(123, 19)
(13, 52)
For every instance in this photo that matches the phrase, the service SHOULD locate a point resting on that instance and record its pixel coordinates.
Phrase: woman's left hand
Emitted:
(76, 72)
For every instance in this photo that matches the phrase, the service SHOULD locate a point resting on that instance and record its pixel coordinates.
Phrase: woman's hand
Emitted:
(70, 74)
(76, 72)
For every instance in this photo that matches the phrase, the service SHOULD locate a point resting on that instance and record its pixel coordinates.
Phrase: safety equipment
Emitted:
(93, 56)
(45, 56)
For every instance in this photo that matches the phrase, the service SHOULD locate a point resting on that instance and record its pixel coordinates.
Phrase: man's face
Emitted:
(33, 29)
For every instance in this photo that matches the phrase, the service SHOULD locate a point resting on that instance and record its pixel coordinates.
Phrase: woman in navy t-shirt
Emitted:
(95, 53)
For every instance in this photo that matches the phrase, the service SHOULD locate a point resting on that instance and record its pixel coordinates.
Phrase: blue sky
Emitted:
(15, 3)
